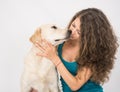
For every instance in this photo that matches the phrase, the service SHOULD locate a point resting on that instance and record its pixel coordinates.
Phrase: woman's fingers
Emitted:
(45, 43)
(46, 49)
(42, 46)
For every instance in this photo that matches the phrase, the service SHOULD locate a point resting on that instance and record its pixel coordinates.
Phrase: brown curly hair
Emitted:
(98, 43)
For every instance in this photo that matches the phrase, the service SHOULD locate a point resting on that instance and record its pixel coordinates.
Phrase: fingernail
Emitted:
(36, 45)
(36, 41)
(37, 54)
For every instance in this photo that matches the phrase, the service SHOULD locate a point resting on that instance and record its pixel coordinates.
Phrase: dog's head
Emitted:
(51, 33)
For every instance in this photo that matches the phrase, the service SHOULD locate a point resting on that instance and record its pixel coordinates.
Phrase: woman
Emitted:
(86, 59)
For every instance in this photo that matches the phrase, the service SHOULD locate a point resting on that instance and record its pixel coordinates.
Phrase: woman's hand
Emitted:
(46, 49)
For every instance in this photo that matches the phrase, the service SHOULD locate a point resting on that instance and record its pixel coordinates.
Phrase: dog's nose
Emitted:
(69, 32)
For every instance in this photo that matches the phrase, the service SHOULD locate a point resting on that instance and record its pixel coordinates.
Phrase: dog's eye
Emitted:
(54, 27)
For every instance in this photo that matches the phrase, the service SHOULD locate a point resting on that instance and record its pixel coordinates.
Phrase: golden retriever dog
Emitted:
(39, 72)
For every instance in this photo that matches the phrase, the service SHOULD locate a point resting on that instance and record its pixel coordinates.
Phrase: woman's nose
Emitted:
(72, 31)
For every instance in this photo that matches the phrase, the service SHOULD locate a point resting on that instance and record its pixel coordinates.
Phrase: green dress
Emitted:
(72, 67)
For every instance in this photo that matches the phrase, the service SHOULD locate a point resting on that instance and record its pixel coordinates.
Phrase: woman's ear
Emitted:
(36, 36)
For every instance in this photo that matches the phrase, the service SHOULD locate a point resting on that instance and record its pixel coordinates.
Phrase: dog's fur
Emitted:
(40, 73)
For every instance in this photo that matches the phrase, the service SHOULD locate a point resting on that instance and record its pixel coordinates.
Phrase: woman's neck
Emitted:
(70, 50)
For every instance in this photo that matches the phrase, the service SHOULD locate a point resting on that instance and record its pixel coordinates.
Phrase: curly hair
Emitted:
(98, 43)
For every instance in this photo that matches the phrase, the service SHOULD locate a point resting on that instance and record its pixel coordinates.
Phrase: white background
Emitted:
(19, 19)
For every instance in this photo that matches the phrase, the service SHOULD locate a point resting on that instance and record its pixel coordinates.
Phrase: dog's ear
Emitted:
(36, 36)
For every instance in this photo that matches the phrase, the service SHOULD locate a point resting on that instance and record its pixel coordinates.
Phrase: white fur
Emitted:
(39, 72)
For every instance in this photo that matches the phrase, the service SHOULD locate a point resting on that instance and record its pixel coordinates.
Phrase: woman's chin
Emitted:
(72, 38)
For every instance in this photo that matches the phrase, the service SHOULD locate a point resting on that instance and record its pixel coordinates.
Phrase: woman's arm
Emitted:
(74, 82)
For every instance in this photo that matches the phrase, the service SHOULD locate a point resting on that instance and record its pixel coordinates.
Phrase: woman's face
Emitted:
(75, 28)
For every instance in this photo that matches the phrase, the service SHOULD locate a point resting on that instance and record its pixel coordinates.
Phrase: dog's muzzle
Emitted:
(67, 37)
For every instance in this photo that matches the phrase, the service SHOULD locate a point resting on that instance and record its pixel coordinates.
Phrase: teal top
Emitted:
(72, 67)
